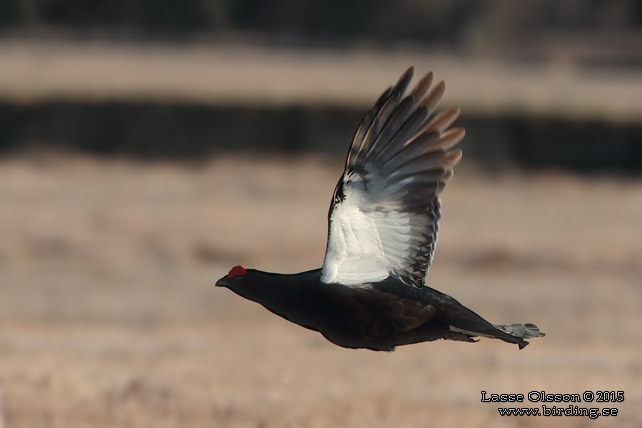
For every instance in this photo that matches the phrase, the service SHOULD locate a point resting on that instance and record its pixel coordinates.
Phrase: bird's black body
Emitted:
(379, 317)
(382, 232)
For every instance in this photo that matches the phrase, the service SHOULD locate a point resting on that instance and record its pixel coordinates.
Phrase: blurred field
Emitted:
(559, 86)
(109, 317)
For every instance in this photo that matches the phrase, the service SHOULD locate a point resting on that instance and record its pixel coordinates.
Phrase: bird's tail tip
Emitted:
(522, 331)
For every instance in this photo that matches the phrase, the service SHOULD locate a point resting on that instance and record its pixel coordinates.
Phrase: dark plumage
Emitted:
(383, 223)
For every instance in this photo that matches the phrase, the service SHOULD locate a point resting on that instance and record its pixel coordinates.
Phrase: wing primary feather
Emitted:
(448, 139)
(450, 158)
(365, 124)
(394, 123)
(413, 149)
(427, 161)
(388, 109)
(434, 97)
(423, 178)
(378, 124)
(443, 120)
(404, 80)
(408, 131)
(407, 121)
(422, 87)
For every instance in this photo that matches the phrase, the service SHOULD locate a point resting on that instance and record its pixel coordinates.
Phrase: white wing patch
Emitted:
(366, 242)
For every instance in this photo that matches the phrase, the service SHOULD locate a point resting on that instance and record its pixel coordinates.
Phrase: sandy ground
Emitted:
(109, 317)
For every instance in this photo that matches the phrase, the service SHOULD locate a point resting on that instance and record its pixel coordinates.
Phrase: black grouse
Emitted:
(383, 221)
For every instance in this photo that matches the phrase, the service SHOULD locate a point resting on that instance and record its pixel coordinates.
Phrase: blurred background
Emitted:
(146, 147)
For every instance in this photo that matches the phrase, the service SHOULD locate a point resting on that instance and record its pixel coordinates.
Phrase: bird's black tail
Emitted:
(462, 320)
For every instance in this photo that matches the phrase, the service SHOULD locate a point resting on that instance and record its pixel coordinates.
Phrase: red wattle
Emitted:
(237, 271)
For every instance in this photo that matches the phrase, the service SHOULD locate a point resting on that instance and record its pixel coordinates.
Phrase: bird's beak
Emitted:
(222, 282)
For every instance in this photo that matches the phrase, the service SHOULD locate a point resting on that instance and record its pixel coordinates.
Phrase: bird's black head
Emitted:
(261, 287)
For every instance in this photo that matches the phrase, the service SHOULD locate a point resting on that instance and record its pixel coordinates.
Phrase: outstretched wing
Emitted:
(385, 209)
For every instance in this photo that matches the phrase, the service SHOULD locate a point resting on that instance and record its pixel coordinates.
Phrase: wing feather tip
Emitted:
(451, 137)
(451, 158)
(434, 96)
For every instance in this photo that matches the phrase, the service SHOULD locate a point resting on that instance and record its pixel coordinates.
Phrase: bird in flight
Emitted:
(371, 291)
